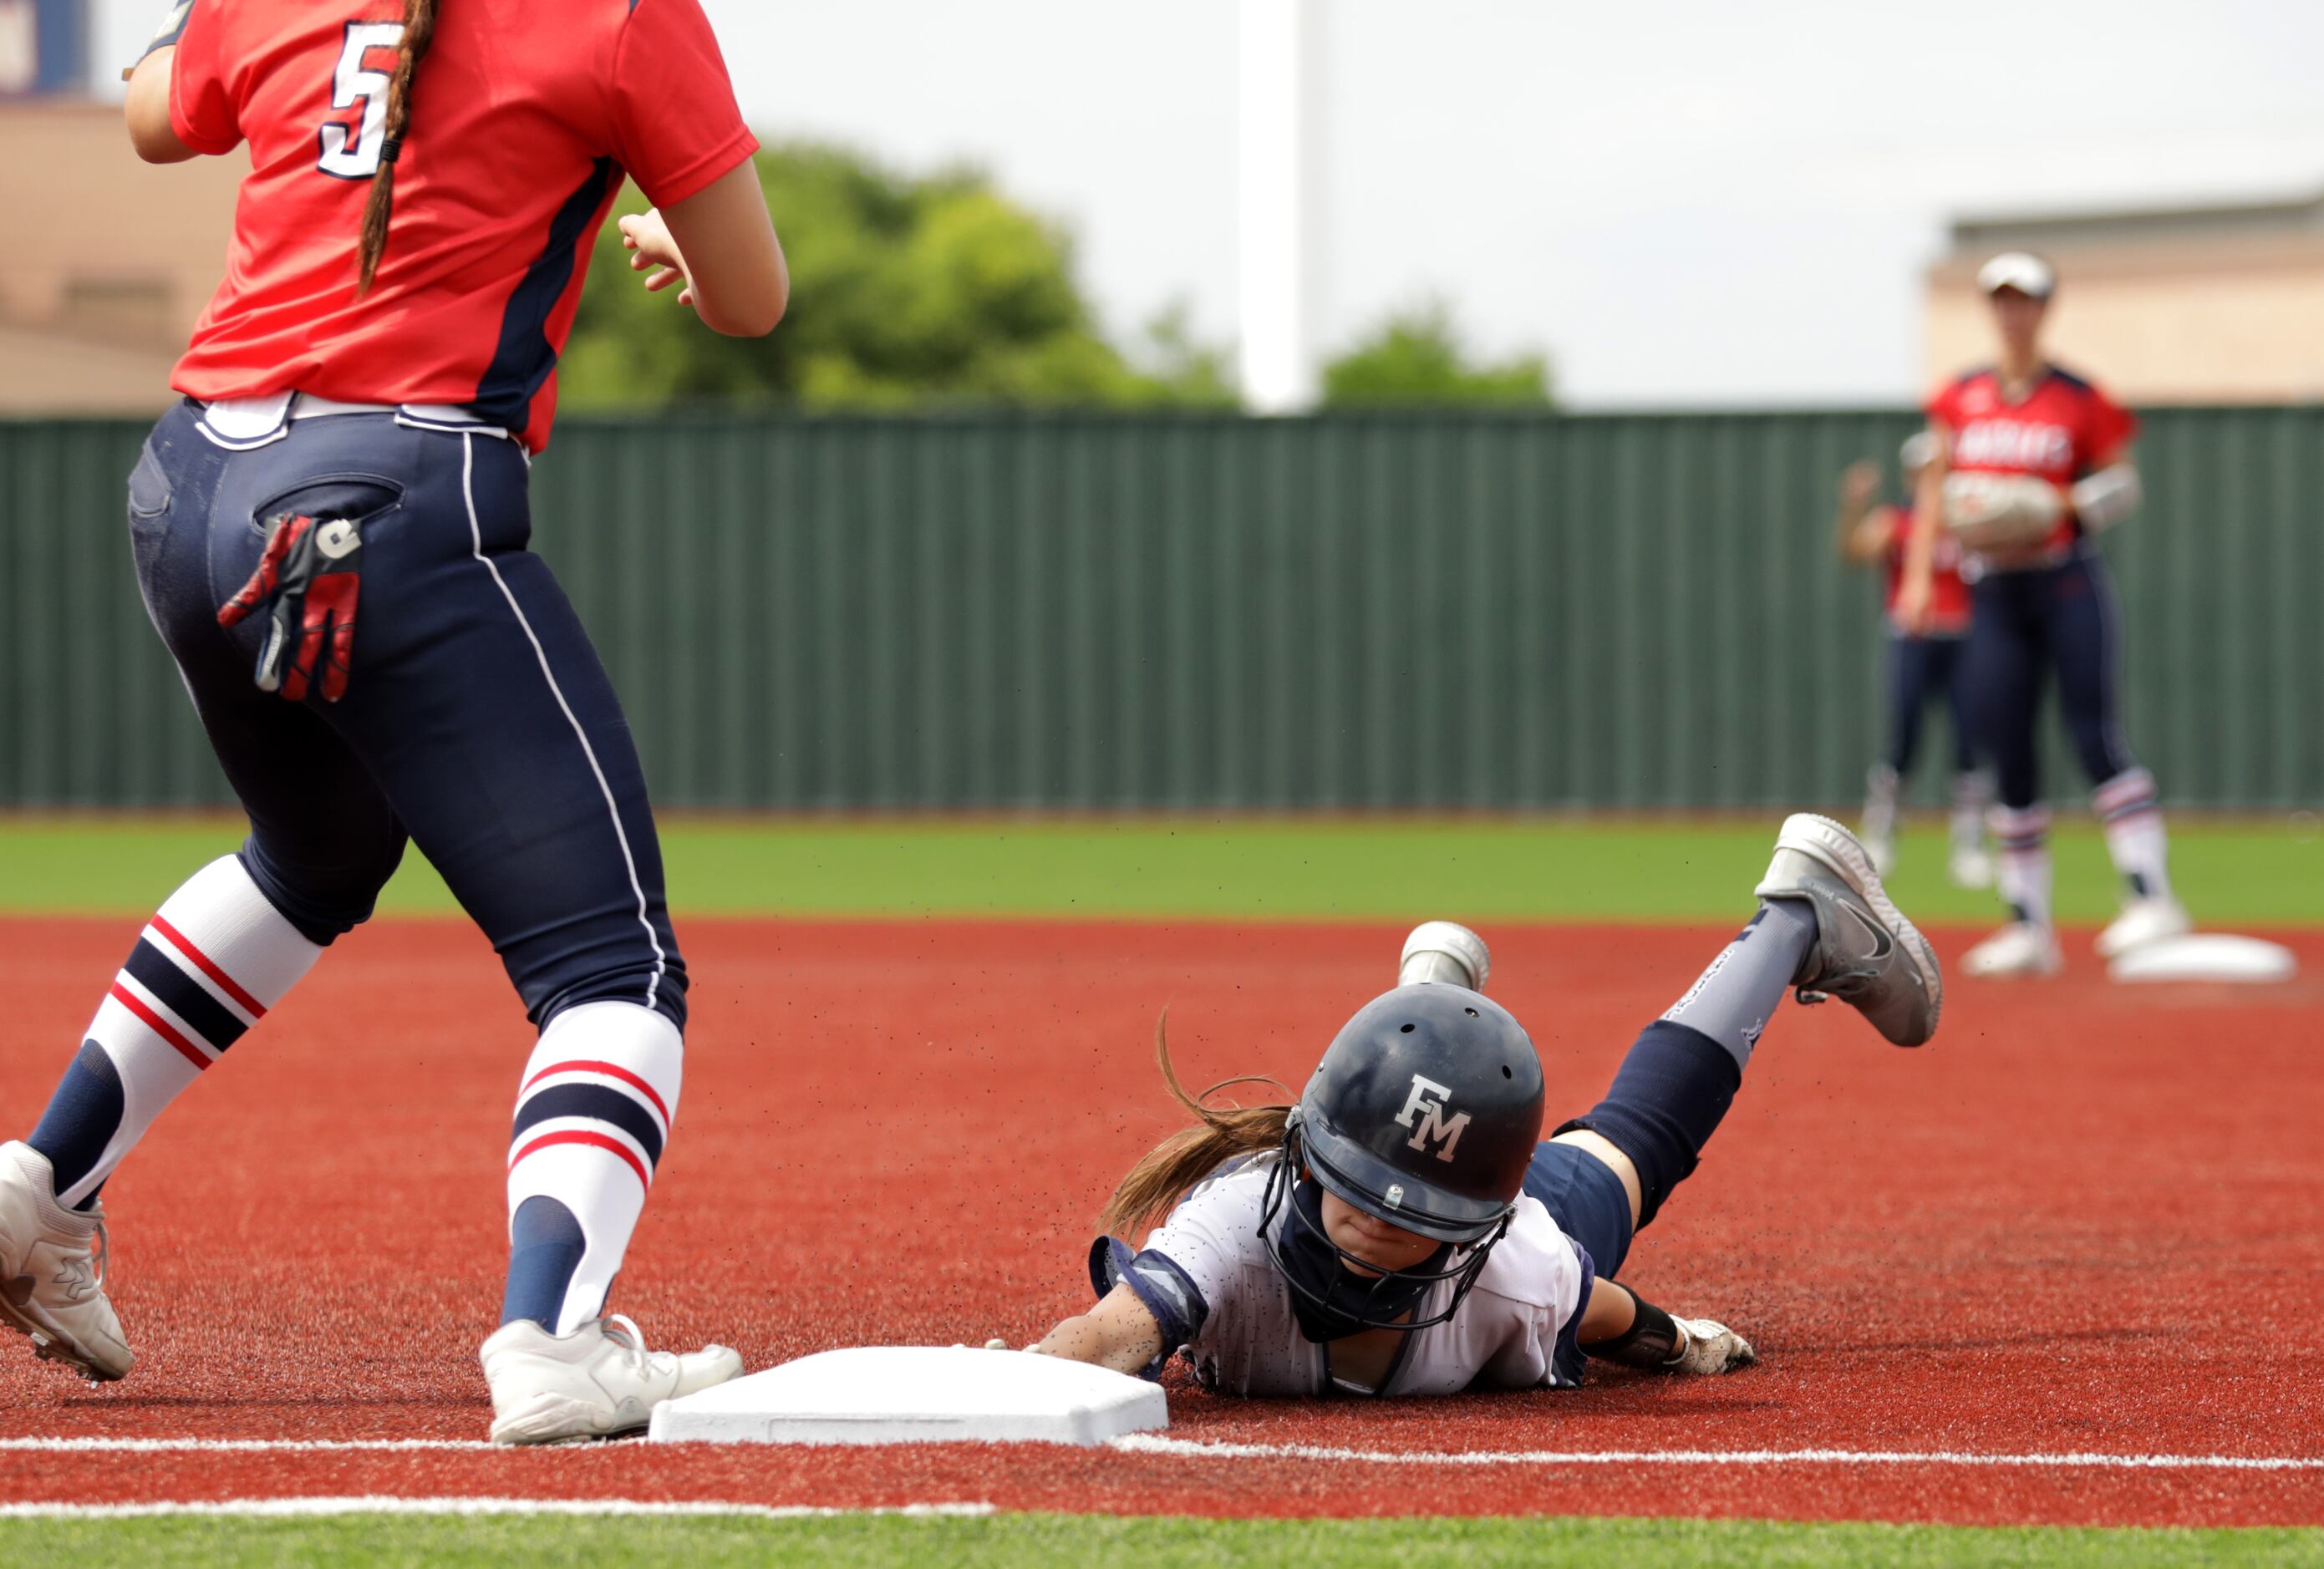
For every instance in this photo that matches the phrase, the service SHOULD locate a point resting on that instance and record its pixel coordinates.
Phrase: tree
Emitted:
(904, 293)
(1416, 358)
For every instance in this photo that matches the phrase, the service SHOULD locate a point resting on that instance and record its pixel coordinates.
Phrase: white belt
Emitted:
(1976, 568)
(241, 424)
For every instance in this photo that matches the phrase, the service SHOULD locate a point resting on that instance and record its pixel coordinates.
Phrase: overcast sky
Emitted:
(1688, 201)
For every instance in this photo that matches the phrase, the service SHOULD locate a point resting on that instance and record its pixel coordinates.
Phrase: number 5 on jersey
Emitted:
(350, 140)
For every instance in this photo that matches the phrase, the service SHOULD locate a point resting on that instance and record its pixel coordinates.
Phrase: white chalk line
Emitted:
(1197, 1449)
(254, 1446)
(1188, 1448)
(311, 1508)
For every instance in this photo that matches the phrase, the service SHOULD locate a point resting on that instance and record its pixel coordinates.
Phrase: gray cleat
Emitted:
(1441, 951)
(1865, 953)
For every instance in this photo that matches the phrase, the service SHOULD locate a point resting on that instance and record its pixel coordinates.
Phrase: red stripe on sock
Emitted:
(250, 1004)
(611, 1070)
(159, 1025)
(581, 1136)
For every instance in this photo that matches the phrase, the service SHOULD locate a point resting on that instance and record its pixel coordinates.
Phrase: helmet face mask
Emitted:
(1356, 1294)
(1424, 1114)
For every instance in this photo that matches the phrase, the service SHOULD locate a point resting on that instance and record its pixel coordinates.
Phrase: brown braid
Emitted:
(419, 32)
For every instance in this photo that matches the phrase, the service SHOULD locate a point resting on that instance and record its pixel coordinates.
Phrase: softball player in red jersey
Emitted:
(1921, 667)
(331, 535)
(2031, 461)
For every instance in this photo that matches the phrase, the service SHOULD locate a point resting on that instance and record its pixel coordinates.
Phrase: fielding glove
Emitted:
(2002, 513)
(307, 582)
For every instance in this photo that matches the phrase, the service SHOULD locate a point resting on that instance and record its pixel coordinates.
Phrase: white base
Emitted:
(917, 1394)
(2204, 956)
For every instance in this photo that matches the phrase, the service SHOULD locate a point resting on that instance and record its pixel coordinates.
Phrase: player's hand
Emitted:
(1913, 598)
(656, 255)
(1859, 484)
(1709, 1348)
(307, 582)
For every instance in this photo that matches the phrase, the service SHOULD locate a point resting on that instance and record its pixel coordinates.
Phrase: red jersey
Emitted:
(1949, 603)
(2062, 429)
(524, 119)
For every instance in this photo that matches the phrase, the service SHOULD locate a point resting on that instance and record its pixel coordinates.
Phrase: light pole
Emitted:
(1276, 368)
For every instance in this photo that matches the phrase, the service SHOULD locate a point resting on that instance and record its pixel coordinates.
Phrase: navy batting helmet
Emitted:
(1424, 1112)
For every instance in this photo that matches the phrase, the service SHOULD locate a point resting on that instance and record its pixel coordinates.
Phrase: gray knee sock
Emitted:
(1733, 1000)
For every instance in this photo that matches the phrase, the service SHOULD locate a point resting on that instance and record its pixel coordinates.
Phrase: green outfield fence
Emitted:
(1465, 610)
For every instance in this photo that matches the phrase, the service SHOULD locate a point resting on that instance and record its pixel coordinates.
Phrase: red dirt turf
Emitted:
(2085, 1219)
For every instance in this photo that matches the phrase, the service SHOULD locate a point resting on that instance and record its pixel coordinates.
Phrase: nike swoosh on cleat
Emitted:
(1883, 939)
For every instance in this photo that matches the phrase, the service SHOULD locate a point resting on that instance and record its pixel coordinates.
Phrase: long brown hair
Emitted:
(419, 32)
(1164, 1174)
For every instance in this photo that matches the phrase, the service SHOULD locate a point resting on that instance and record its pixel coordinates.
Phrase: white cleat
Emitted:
(593, 1383)
(1441, 951)
(52, 1270)
(2019, 951)
(1710, 1348)
(2142, 921)
(1970, 867)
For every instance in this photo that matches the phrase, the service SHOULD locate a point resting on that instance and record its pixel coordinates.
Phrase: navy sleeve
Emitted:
(1167, 1291)
(1110, 1256)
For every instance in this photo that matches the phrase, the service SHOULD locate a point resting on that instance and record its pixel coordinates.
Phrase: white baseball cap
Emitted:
(2019, 269)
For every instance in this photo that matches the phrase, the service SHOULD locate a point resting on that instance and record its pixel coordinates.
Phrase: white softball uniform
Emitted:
(1505, 1335)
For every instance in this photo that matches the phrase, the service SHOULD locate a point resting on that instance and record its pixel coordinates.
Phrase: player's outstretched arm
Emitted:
(720, 244)
(1120, 1332)
(147, 111)
(1862, 529)
(1619, 1326)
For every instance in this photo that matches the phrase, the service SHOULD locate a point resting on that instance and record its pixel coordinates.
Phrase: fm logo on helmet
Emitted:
(1427, 1102)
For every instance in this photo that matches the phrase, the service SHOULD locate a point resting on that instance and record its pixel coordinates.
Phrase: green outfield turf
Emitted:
(2255, 874)
(1078, 1540)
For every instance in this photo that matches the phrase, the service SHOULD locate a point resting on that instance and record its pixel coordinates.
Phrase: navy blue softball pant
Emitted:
(1920, 670)
(2028, 626)
(477, 722)
(1589, 1203)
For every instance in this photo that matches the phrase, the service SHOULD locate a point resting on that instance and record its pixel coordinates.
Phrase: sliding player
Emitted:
(2030, 463)
(1921, 666)
(1402, 1230)
(331, 534)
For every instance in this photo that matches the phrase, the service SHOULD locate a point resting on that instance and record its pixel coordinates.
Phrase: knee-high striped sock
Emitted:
(2130, 808)
(592, 1116)
(2023, 836)
(212, 961)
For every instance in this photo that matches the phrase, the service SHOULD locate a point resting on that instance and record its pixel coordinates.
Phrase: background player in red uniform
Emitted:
(331, 536)
(1921, 667)
(2031, 461)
